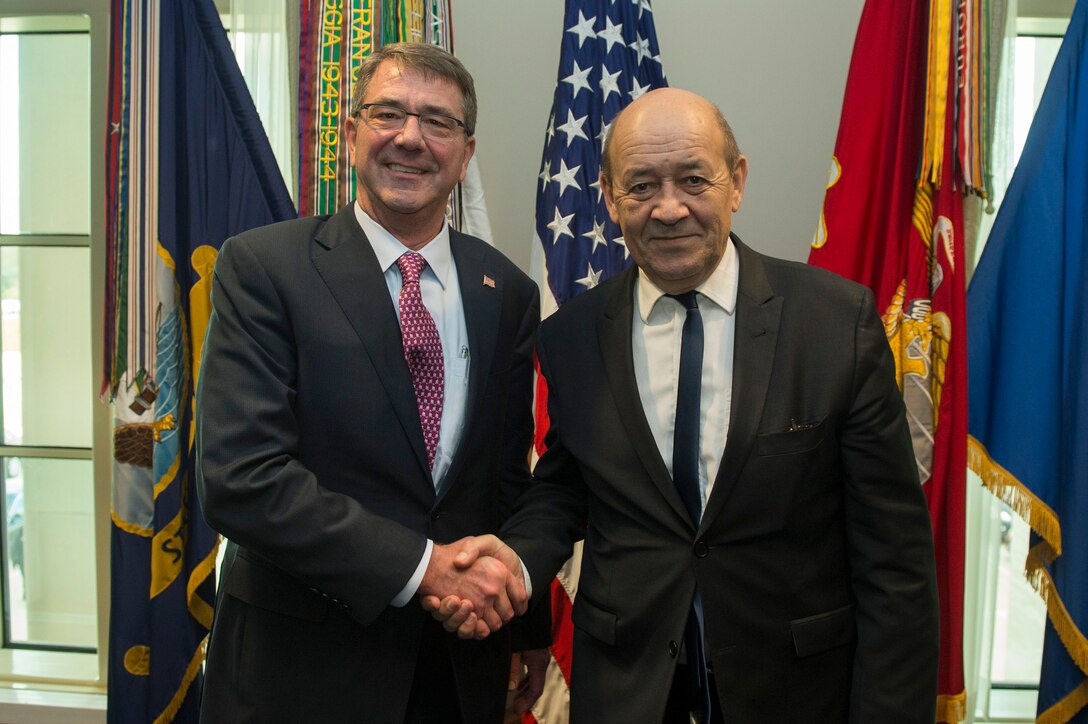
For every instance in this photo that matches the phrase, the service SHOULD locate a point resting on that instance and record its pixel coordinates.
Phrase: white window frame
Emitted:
(26, 674)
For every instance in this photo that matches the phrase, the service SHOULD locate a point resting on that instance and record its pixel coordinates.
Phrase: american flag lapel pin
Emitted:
(489, 282)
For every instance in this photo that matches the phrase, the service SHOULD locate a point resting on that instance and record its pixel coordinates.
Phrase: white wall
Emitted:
(777, 70)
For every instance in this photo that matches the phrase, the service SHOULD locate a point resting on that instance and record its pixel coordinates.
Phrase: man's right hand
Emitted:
(474, 586)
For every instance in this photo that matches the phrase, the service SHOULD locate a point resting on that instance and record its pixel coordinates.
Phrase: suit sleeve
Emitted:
(533, 630)
(252, 486)
(890, 543)
(552, 515)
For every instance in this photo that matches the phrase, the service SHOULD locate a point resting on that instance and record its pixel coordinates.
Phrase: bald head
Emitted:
(669, 101)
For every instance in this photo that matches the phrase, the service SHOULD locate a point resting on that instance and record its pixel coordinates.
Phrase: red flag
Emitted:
(893, 220)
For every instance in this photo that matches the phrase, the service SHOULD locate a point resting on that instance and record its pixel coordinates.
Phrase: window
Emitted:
(54, 481)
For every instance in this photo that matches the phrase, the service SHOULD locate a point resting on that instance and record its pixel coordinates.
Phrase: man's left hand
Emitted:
(527, 671)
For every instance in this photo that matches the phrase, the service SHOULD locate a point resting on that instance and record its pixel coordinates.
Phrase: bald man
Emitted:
(778, 567)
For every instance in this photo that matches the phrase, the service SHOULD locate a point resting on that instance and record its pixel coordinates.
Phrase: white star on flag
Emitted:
(641, 47)
(573, 128)
(637, 90)
(603, 133)
(560, 226)
(591, 279)
(578, 79)
(597, 235)
(609, 82)
(584, 28)
(612, 34)
(565, 177)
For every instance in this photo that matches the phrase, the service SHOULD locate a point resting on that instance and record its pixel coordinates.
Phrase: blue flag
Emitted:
(608, 58)
(1027, 313)
(193, 167)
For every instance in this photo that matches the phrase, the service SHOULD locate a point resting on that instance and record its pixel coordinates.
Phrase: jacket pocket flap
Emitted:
(594, 620)
(787, 442)
(258, 584)
(824, 631)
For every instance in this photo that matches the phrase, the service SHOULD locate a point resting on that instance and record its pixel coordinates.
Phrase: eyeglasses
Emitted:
(435, 126)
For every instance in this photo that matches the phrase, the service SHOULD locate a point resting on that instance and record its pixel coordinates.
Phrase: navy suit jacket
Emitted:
(312, 463)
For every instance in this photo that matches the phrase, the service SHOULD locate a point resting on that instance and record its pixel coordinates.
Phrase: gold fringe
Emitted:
(1044, 521)
(1067, 708)
(1073, 638)
(130, 527)
(952, 708)
(1040, 516)
(178, 699)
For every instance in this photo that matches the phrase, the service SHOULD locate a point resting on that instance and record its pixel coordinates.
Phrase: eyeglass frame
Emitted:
(361, 113)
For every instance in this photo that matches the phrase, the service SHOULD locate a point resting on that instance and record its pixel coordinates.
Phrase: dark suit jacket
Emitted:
(312, 462)
(814, 556)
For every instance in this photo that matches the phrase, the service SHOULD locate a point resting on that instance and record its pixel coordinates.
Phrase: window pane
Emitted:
(44, 138)
(46, 341)
(49, 564)
(1020, 613)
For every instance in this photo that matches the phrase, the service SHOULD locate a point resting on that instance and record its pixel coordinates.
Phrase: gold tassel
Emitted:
(952, 708)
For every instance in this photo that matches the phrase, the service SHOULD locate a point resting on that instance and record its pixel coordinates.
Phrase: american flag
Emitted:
(609, 57)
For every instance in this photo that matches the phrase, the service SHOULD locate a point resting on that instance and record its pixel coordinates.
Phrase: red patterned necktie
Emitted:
(422, 350)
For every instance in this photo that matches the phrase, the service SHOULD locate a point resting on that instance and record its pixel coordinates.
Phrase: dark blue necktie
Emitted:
(685, 476)
(685, 441)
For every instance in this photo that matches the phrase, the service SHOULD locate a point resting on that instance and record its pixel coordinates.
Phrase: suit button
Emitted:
(436, 514)
(674, 649)
(702, 550)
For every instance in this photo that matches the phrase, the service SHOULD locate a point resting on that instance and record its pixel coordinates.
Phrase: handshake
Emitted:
(474, 586)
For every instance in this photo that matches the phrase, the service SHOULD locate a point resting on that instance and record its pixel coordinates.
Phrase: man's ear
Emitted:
(609, 200)
(740, 177)
(351, 129)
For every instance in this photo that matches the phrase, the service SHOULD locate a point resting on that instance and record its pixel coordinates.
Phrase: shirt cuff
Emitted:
(528, 581)
(412, 586)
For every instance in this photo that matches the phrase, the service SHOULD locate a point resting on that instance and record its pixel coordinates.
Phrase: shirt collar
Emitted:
(388, 249)
(720, 287)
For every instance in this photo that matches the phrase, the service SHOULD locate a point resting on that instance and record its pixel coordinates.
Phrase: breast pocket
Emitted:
(457, 369)
(800, 438)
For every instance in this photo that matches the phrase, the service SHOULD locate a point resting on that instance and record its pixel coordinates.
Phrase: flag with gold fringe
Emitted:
(911, 142)
(1027, 310)
(188, 165)
(608, 57)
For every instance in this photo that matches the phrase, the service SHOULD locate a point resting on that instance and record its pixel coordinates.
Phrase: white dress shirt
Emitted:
(656, 331)
(442, 297)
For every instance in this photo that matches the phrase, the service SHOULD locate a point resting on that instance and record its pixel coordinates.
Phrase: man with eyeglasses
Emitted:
(365, 404)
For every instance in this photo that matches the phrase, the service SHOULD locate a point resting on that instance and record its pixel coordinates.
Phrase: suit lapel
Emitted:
(482, 304)
(345, 260)
(614, 335)
(755, 338)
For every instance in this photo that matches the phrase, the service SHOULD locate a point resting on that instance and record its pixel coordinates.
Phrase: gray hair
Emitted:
(428, 60)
